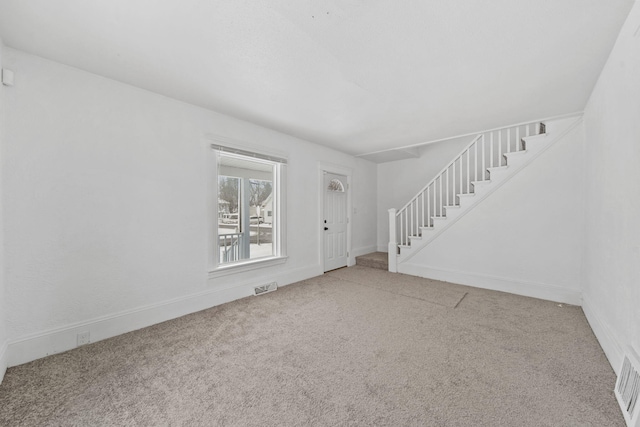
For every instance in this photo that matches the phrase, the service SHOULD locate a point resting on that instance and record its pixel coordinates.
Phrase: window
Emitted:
(249, 226)
(336, 185)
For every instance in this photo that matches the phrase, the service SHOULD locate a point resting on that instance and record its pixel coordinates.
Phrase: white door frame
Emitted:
(338, 170)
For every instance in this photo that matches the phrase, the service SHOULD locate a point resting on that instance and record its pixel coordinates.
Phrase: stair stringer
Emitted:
(516, 161)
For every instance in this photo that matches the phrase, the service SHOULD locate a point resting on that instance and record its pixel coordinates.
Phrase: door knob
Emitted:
(326, 228)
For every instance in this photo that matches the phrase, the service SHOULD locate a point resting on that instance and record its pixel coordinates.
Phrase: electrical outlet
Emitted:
(83, 338)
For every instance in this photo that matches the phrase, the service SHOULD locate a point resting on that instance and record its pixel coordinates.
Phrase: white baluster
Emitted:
(393, 242)
(423, 208)
(460, 174)
(499, 148)
(402, 227)
(475, 161)
(428, 207)
(411, 219)
(447, 189)
(435, 205)
(406, 221)
(518, 138)
(453, 187)
(440, 195)
(491, 150)
(509, 140)
(483, 155)
(468, 175)
(418, 216)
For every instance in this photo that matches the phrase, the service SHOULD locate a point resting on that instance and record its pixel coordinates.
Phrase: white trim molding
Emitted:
(449, 138)
(3, 359)
(503, 284)
(606, 337)
(246, 266)
(216, 147)
(57, 340)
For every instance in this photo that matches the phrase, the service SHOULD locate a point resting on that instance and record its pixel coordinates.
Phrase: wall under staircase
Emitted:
(524, 237)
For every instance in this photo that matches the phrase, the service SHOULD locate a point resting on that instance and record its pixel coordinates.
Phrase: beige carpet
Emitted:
(356, 346)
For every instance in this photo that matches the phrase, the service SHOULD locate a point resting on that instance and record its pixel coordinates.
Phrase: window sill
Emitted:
(246, 266)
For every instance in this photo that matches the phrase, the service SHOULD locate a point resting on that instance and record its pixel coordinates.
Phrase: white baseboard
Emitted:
(35, 346)
(503, 284)
(3, 360)
(383, 248)
(606, 337)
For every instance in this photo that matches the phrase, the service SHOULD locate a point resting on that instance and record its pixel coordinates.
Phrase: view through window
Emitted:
(247, 208)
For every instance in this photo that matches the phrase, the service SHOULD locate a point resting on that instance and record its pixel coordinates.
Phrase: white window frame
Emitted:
(215, 146)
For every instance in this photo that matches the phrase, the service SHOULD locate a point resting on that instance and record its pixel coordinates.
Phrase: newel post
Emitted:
(393, 242)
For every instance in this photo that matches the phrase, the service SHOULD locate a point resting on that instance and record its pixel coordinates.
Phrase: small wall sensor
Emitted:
(7, 77)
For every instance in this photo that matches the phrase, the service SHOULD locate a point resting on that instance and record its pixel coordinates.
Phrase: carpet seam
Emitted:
(403, 295)
(461, 298)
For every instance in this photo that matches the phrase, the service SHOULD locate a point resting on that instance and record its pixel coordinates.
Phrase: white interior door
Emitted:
(335, 221)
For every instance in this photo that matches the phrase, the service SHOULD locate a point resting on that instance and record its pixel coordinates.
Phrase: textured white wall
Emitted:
(526, 236)
(612, 181)
(106, 203)
(399, 181)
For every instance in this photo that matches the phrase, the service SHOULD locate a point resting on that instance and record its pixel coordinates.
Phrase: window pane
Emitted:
(246, 190)
(336, 185)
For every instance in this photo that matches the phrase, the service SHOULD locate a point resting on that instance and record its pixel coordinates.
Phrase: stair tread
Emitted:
(515, 152)
(481, 182)
(379, 260)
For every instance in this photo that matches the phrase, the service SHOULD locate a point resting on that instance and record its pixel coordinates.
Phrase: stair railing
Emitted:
(230, 247)
(486, 150)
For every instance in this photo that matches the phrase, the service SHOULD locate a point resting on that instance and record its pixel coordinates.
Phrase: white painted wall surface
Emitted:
(3, 307)
(105, 195)
(399, 181)
(524, 238)
(612, 181)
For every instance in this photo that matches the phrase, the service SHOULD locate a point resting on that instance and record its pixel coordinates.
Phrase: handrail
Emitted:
(455, 159)
(486, 150)
(230, 249)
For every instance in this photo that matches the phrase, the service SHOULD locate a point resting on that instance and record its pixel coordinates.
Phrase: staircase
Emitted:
(486, 163)
(378, 260)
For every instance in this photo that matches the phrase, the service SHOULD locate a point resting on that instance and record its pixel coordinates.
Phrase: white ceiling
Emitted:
(356, 75)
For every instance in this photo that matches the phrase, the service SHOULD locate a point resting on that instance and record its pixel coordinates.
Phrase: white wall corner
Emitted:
(57, 340)
(3, 360)
(604, 334)
(502, 284)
